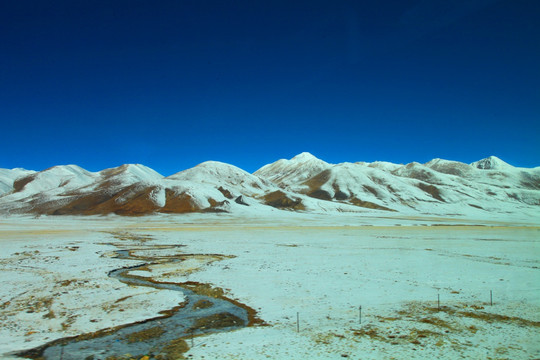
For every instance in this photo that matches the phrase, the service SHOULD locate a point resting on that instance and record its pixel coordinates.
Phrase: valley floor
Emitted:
(427, 287)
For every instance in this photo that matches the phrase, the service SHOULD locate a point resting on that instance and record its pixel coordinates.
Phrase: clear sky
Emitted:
(172, 83)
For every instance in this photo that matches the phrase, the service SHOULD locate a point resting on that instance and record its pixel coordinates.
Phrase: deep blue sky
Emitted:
(170, 84)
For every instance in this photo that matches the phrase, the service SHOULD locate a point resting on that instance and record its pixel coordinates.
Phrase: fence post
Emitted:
(491, 297)
(297, 322)
(360, 314)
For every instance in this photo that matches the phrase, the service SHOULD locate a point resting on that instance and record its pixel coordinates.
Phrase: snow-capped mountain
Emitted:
(491, 163)
(303, 183)
(300, 168)
(8, 177)
(67, 188)
(437, 187)
(219, 174)
(52, 180)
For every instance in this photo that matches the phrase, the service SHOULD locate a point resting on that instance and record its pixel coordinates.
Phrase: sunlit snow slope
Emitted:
(484, 188)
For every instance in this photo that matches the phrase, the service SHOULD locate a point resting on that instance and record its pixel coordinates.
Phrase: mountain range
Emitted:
(304, 183)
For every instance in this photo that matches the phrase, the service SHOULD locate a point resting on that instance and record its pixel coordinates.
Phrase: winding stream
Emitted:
(159, 337)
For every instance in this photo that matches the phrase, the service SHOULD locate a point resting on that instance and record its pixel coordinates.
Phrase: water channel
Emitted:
(163, 337)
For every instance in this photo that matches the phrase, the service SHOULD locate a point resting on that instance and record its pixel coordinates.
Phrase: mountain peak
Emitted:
(214, 164)
(67, 169)
(298, 169)
(491, 163)
(305, 156)
(131, 172)
(214, 172)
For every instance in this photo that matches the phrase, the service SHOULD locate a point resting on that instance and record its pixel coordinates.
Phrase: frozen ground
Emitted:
(321, 268)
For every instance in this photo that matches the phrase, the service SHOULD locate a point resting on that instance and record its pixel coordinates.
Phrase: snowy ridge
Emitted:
(438, 187)
(384, 165)
(300, 168)
(53, 180)
(491, 163)
(217, 174)
(131, 173)
(303, 183)
(8, 177)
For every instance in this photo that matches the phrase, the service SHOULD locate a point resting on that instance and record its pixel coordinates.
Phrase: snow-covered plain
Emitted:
(321, 268)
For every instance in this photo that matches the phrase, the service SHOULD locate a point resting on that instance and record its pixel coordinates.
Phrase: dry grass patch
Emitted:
(174, 350)
(39, 304)
(49, 315)
(218, 321)
(204, 289)
(491, 318)
(67, 282)
(387, 318)
(398, 336)
(150, 333)
(370, 331)
(202, 304)
(327, 338)
(128, 236)
(424, 325)
(437, 322)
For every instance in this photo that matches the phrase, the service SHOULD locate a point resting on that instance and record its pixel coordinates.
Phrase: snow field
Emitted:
(55, 284)
(321, 267)
(326, 274)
